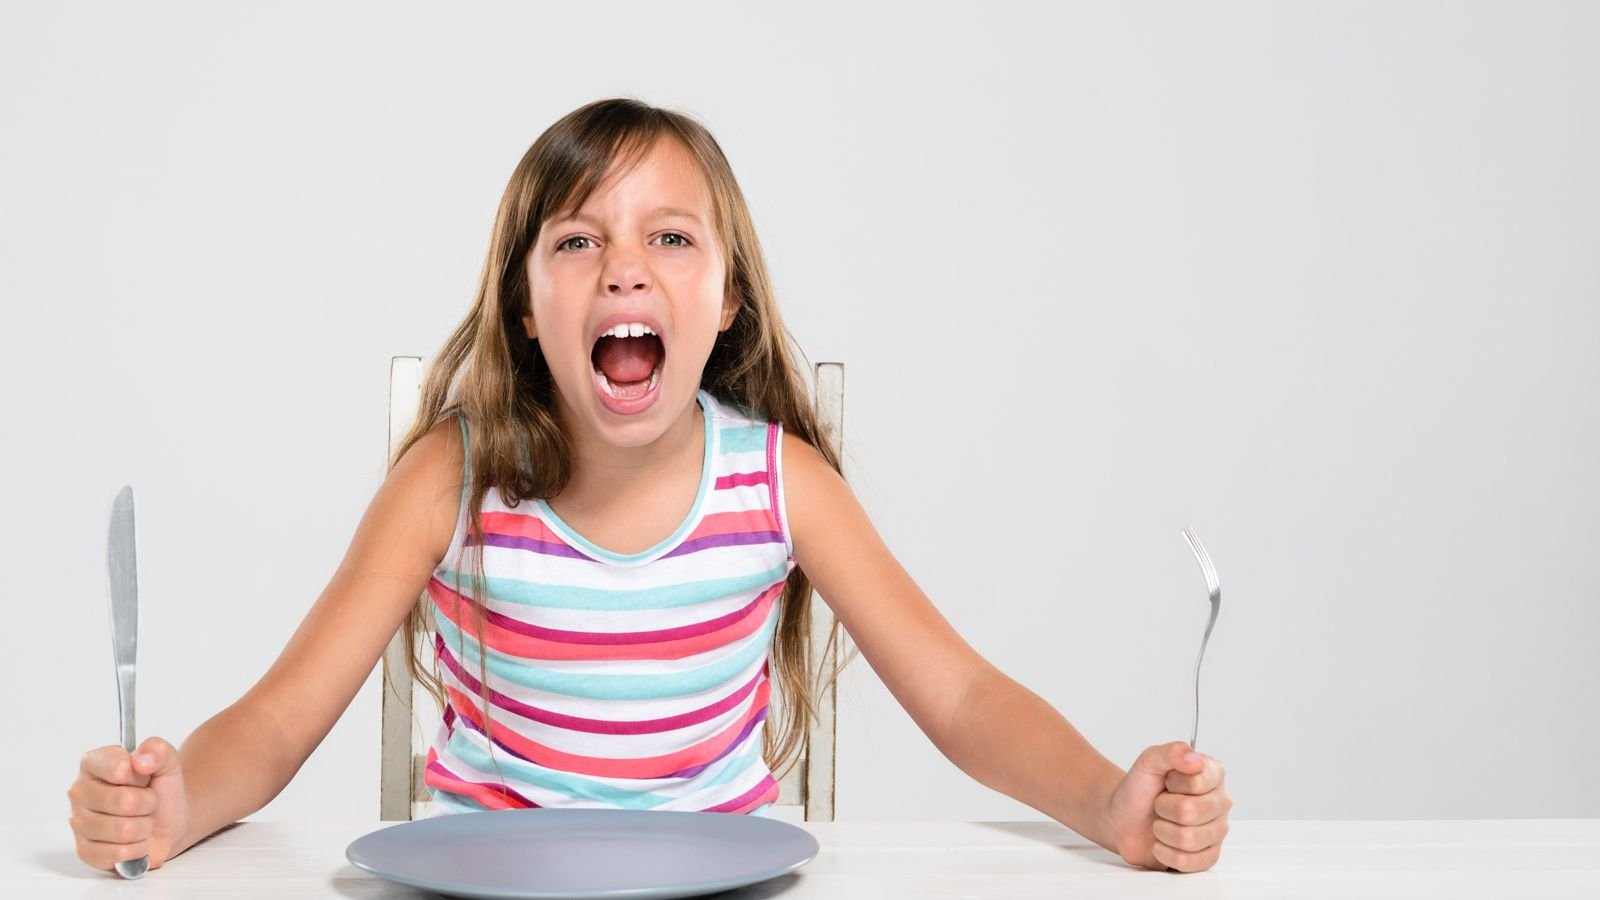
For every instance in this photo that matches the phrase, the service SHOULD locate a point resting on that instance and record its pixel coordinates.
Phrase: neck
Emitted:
(602, 469)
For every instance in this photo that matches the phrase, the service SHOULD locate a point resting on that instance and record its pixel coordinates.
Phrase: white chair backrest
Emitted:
(410, 717)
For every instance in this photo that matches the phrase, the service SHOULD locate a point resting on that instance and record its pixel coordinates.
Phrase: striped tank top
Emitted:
(618, 681)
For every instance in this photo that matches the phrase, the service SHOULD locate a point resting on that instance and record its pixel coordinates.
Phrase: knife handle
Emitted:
(125, 706)
(128, 868)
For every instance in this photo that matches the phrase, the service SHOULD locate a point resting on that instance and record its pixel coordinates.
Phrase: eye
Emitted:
(684, 240)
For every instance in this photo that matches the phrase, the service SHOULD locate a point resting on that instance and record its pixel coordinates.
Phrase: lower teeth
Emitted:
(605, 383)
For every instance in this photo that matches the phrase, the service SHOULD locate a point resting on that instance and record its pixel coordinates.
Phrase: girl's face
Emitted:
(640, 252)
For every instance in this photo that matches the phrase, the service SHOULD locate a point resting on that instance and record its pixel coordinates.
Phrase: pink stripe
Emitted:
(772, 482)
(519, 525)
(732, 523)
(528, 647)
(579, 723)
(740, 479)
(641, 767)
(493, 796)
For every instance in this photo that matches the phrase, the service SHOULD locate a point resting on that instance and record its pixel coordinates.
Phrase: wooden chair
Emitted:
(410, 718)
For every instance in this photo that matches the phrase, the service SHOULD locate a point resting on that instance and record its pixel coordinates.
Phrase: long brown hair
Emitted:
(496, 378)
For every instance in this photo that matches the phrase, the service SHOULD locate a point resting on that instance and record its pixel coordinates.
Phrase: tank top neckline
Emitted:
(707, 476)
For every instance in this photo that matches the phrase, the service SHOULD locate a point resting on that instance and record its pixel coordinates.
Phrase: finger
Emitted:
(1190, 809)
(110, 764)
(119, 799)
(1209, 778)
(1191, 838)
(103, 855)
(1184, 861)
(111, 829)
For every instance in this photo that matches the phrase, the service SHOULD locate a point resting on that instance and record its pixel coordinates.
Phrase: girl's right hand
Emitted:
(127, 805)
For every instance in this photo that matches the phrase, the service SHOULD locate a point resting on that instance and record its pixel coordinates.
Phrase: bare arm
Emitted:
(240, 759)
(1014, 742)
(997, 731)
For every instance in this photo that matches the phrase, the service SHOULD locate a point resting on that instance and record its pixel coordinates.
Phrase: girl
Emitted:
(608, 620)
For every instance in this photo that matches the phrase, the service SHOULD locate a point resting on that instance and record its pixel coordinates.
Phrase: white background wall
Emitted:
(1318, 281)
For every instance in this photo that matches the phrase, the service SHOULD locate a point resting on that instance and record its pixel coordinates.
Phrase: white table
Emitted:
(1509, 858)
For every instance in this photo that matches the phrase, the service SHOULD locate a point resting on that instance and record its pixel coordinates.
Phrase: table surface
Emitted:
(879, 859)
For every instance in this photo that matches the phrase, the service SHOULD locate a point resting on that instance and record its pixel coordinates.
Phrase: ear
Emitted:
(730, 309)
(527, 323)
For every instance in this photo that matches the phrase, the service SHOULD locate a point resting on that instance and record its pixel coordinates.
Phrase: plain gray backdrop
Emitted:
(1318, 281)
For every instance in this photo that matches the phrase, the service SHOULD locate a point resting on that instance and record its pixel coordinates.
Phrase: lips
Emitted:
(626, 358)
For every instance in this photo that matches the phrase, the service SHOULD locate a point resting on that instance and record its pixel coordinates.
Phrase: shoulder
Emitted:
(438, 451)
(812, 490)
(428, 478)
(802, 460)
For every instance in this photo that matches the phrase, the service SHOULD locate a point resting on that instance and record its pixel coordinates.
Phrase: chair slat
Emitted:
(396, 784)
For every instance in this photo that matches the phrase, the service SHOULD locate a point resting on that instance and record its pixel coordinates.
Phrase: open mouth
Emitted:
(628, 368)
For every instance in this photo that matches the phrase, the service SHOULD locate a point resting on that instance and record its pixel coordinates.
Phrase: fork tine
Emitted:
(1213, 584)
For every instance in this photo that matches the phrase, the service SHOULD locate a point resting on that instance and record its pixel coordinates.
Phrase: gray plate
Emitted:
(544, 854)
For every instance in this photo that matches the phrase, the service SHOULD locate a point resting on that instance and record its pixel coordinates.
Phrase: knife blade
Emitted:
(123, 577)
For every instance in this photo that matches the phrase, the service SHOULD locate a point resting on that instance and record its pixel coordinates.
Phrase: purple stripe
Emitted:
(749, 727)
(763, 787)
(592, 726)
(726, 540)
(517, 542)
(473, 726)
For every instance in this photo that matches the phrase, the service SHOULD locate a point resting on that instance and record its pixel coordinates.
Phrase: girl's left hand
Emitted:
(1168, 813)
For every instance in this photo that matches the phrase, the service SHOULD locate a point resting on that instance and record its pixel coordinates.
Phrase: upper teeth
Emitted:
(627, 329)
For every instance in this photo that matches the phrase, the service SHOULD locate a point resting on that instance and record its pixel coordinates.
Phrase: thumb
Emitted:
(154, 758)
(1155, 762)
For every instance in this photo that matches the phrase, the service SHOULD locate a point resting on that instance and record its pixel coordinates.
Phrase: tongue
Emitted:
(626, 360)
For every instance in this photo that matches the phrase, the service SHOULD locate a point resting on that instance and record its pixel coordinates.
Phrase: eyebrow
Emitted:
(656, 213)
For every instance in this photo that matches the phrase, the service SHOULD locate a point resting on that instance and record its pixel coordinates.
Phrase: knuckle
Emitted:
(1183, 839)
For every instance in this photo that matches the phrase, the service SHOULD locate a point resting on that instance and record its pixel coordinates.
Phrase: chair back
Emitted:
(411, 717)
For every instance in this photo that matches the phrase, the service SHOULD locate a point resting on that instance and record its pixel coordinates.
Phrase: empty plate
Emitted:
(543, 854)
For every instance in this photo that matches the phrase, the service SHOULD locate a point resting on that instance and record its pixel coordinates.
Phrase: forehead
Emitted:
(665, 180)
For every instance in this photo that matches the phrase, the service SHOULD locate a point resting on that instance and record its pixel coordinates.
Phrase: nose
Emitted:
(625, 271)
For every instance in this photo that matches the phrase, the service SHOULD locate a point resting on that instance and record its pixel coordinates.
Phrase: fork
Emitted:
(1215, 589)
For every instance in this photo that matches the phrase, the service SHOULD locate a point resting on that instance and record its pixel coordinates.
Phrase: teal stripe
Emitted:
(747, 757)
(549, 779)
(455, 802)
(744, 438)
(562, 596)
(610, 687)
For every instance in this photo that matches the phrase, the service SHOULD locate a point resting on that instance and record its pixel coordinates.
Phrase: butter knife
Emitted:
(123, 572)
